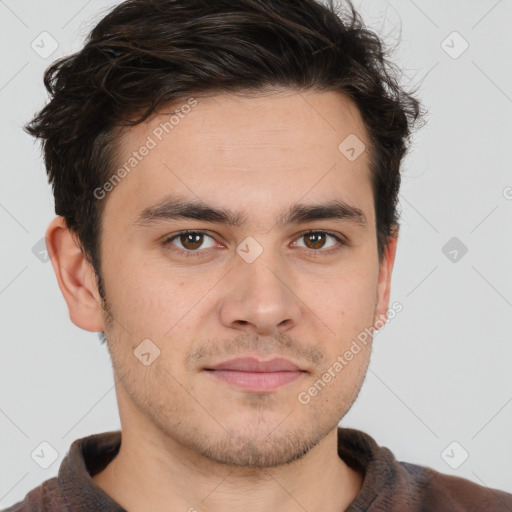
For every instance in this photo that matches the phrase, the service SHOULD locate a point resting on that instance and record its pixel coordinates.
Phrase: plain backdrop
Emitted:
(439, 387)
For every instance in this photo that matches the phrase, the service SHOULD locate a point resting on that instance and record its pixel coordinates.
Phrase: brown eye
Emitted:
(318, 241)
(192, 242)
(315, 240)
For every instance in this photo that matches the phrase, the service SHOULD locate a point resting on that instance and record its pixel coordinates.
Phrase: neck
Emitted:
(148, 475)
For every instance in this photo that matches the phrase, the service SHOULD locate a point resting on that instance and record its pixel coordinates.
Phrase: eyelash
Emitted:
(199, 252)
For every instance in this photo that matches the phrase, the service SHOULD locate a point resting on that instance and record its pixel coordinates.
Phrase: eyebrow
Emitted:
(172, 208)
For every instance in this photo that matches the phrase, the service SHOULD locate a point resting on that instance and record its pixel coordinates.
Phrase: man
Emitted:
(225, 178)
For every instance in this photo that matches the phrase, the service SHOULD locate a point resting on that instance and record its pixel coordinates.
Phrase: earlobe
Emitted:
(75, 276)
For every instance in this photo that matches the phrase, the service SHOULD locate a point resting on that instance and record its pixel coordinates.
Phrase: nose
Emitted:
(259, 297)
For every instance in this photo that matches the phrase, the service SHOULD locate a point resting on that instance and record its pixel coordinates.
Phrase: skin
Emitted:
(188, 438)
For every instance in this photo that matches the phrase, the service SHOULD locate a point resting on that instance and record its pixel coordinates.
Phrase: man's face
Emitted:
(260, 288)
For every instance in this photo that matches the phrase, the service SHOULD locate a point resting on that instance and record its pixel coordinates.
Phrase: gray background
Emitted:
(440, 371)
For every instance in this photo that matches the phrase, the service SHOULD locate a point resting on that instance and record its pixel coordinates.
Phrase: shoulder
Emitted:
(432, 490)
(393, 485)
(45, 497)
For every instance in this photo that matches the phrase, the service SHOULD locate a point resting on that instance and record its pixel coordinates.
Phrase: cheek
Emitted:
(345, 301)
(147, 297)
(347, 307)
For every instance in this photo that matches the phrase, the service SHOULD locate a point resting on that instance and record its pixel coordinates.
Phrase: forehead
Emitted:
(255, 153)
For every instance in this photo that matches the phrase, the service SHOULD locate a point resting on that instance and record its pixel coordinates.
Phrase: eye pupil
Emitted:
(196, 239)
(317, 239)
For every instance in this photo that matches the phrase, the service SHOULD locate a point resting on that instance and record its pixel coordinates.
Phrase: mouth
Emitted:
(253, 375)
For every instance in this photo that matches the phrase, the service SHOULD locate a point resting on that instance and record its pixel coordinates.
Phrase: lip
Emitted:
(251, 364)
(251, 374)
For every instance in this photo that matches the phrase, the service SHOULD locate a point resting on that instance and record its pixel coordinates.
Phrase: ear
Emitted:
(384, 283)
(75, 275)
